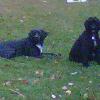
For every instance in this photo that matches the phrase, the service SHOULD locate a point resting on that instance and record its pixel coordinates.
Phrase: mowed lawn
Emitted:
(26, 78)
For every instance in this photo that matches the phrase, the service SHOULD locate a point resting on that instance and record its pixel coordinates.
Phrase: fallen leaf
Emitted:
(25, 81)
(24, 17)
(90, 82)
(74, 73)
(64, 88)
(70, 84)
(36, 81)
(7, 83)
(83, 78)
(44, 1)
(27, 57)
(21, 20)
(49, 13)
(39, 73)
(85, 96)
(60, 95)
(68, 92)
(53, 96)
(56, 62)
(53, 77)
(19, 79)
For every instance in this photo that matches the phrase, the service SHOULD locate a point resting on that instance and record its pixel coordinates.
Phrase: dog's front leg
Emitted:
(33, 52)
(85, 53)
(97, 56)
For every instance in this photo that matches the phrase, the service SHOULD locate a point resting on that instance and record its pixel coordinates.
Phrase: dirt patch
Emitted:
(10, 6)
(33, 1)
(2, 9)
(43, 4)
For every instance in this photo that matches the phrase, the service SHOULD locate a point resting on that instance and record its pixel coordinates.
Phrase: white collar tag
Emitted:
(40, 47)
(93, 38)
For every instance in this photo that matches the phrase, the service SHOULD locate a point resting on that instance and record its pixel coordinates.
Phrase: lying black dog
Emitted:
(87, 46)
(30, 46)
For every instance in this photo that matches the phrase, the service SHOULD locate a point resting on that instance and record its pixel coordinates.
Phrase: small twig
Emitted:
(93, 94)
(52, 55)
(16, 92)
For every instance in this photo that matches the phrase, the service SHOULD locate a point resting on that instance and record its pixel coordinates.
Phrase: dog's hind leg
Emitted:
(7, 53)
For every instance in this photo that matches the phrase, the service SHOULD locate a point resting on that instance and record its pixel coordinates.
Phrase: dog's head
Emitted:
(37, 35)
(92, 24)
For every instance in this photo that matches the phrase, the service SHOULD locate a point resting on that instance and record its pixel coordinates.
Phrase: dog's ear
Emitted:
(96, 19)
(32, 33)
(98, 22)
(88, 22)
(44, 32)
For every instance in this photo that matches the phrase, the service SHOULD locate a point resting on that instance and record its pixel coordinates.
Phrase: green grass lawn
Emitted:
(42, 79)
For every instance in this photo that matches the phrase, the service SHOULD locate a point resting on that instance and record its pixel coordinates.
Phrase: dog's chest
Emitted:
(94, 41)
(40, 47)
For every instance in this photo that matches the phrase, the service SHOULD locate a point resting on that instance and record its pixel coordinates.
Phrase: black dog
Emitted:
(87, 46)
(30, 46)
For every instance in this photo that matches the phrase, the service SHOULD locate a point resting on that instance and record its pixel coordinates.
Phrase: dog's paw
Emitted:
(86, 65)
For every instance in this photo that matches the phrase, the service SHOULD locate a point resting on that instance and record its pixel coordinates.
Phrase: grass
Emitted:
(39, 79)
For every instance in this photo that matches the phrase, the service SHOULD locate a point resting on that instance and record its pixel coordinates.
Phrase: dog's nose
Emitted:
(36, 35)
(93, 26)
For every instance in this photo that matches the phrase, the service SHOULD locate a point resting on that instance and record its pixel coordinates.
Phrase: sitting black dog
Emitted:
(87, 46)
(30, 46)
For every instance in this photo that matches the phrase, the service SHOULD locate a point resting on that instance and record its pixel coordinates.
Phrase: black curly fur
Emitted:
(24, 47)
(87, 47)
